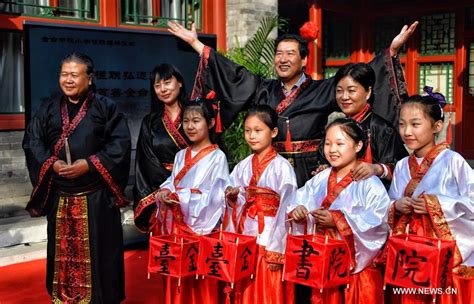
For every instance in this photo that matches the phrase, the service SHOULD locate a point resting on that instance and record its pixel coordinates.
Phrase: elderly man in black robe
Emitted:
(77, 149)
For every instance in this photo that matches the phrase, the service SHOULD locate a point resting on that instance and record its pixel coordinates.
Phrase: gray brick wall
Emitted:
(15, 187)
(243, 17)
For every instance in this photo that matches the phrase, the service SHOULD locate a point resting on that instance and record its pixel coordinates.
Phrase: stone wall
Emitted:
(15, 187)
(243, 17)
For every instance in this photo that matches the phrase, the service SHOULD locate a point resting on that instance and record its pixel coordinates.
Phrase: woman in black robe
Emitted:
(355, 96)
(161, 137)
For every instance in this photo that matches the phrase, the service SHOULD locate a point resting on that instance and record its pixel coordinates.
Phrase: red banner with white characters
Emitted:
(419, 262)
(227, 256)
(173, 255)
(316, 261)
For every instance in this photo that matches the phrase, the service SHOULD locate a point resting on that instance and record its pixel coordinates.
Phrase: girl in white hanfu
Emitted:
(262, 186)
(344, 208)
(191, 200)
(432, 192)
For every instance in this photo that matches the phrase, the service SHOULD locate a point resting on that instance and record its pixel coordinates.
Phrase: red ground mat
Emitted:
(26, 282)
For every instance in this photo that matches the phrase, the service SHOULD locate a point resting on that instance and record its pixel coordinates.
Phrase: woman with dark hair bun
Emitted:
(161, 137)
(355, 97)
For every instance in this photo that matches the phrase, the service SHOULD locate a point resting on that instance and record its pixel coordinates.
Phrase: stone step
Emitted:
(21, 230)
(23, 238)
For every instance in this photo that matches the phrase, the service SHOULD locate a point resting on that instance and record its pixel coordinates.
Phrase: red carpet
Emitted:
(26, 282)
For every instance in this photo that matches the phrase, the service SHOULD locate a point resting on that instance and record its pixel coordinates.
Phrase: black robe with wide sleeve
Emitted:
(237, 89)
(386, 144)
(156, 150)
(102, 138)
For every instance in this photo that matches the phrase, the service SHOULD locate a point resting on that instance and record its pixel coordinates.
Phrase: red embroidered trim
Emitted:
(274, 257)
(44, 169)
(168, 166)
(417, 172)
(335, 188)
(258, 167)
(298, 146)
(120, 200)
(72, 281)
(392, 75)
(189, 162)
(439, 223)
(142, 205)
(345, 231)
(199, 80)
(68, 128)
(285, 103)
(359, 117)
(173, 130)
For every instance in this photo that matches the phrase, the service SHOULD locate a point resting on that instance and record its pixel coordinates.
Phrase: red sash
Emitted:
(260, 201)
(360, 117)
(172, 127)
(334, 188)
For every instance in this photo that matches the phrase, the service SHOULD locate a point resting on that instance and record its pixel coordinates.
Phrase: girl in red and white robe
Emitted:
(346, 209)
(432, 194)
(263, 184)
(191, 200)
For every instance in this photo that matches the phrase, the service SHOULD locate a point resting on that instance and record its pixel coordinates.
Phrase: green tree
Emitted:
(257, 57)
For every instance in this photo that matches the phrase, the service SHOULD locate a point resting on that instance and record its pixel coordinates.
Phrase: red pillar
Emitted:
(109, 13)
(315, 50)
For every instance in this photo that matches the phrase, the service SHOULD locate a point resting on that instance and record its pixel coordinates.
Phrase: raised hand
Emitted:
(402, 38)
(189, 36)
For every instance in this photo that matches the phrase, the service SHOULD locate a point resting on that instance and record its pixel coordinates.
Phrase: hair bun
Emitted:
(438, 96)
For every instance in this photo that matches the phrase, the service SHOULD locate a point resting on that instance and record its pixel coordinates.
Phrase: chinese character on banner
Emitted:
(316, 261)
(416, 262)
(173, 255)
(227, 256)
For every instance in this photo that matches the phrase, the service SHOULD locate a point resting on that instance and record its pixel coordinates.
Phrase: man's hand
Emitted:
(58, 165)
(323, 218)
(188, 36)
(402, 38)
(365, 170)
(77, 169)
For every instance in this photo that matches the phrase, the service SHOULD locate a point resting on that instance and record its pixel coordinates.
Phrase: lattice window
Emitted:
(437, 34)
(158, 13)
(86, 10)
(337, 39)
(385, 29)
(470, 18)
(329, 71)
(439, 76)
(470, 90)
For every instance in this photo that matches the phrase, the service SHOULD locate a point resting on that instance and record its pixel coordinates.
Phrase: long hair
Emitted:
(165, 71)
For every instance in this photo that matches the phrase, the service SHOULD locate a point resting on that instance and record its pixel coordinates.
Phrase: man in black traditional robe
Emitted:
(302, 103)
(77, 150)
